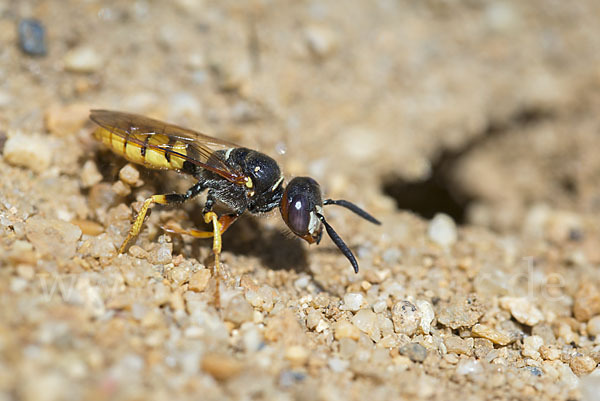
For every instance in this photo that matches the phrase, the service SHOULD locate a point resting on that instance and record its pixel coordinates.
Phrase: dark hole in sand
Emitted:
(441, 192)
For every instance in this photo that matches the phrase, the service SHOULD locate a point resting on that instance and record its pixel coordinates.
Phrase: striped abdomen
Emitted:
(145, 149)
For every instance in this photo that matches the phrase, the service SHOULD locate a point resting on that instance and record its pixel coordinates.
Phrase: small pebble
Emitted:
(457, 345)
(379, 306)
(531, 345)
(17, 284)
(415, 352)
(63, 120)
(345, 329)
(593, 326)
(161, 254)
(442, 230)
(320, 40)
(26, 271)
(90, 175)
(482, 347)
(469, 367)
(130, 175)
(495, 336)
(251, 337)
(312, 319)
(587, 302)
(297, 355)
(323, 325)
(427, 316)
(366, 321)
(347, 348)
(406, 318)
(32, 37)
(31, 151)
(221, 367)
(83, 59)
(550, 352)
(462, 311)
(101, 246)
(523, 310)
(352, 302)
(582, 365)
(52, 237)
(120, 188)
(199, 280)
(535, 371)
(338, 365)
(238, 310)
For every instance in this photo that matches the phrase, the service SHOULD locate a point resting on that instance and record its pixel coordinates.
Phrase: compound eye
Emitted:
(298, 218)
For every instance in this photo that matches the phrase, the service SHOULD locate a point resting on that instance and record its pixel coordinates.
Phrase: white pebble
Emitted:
(163, 253)
(379, 306)
(522, 309)
(90, 175)
(366, 321)
(320, 40)
(252, 338)
(427, 316)
(31, 151)
(406, 318)
(531, 345)
(321, 326)
(302, 282)
(338, 365)
(391, 256)
(593, 326)
(352, 301)
(468, 367)
(83, 59)
(18, 284)
(442, 230)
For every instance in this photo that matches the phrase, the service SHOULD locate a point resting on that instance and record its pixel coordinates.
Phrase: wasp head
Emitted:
(302, 210)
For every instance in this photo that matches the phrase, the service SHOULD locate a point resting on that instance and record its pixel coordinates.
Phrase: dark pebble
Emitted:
(415, 352)
(32, 37)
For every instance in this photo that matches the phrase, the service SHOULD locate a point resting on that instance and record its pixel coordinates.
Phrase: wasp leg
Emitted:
(208, 217)
(162, 200)
(225, 222)
(220, 225)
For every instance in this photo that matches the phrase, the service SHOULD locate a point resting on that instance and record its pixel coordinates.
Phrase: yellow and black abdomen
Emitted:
(157, 151)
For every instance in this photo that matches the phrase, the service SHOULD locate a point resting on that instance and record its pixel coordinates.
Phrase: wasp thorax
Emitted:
(265, 192)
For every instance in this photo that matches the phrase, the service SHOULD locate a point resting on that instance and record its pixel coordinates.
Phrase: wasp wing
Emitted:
(168, 139)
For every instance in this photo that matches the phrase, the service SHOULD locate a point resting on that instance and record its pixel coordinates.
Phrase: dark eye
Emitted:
(298, 215)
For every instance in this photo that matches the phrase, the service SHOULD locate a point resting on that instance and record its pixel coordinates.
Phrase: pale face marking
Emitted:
(314, 224)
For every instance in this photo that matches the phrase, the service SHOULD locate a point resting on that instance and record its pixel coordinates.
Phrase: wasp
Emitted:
(236, 177)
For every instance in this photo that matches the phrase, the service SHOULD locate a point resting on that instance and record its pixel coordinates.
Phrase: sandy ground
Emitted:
(468, 128)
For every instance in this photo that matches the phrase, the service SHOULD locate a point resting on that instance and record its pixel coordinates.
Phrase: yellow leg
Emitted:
(212, 217)
(139, 220)
(208, 217)
(225, 222)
